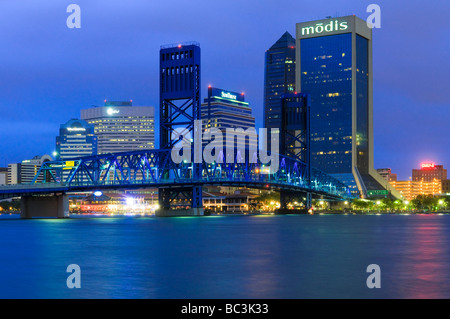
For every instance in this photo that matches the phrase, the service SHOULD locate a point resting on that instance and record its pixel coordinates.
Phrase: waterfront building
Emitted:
(279, 78)
(429, 172)
(128, 202)
(121, 127)
(24, 172)
(76, 139)
(411, 189)
(334, 65)
(239, 202)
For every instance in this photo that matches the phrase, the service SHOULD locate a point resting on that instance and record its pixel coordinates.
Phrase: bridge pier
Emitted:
(45, 206)
(190, 194)
(179, 212)
(308, 203)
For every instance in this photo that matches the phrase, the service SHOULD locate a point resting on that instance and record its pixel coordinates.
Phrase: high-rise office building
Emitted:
(76, 139)
(122, 127)
(24, 172)
(334, 65)
(224, 109)
(279, 78)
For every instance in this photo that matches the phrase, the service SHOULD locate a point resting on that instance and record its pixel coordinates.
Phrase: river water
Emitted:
(282, 257)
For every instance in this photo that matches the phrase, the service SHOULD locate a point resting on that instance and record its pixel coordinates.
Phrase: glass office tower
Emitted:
(224, 110)
(334, 65)
(279, 78)
(76, 139)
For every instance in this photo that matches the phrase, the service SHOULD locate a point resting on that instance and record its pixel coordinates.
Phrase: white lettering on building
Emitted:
(228, 95)
(328, 27)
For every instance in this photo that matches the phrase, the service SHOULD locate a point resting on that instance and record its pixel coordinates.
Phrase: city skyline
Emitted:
(53, 72)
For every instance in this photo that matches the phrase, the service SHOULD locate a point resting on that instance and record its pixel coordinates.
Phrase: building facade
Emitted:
(279, 78)
(122, 127)
(224, 110)
(445, 186)
(24, 172)
(334, 65)
(3, 176)
(429, 172)
(76, 139)
(386, 174)
(411, 189)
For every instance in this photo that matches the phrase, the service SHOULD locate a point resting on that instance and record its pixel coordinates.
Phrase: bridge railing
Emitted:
(155, 167)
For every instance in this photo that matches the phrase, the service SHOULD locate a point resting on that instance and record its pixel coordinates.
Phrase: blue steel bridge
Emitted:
(180, 69)
(155, 169)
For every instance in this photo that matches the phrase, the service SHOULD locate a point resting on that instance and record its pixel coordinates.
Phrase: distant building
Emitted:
(76, 139)
(121, 127)
(445, 186)
(3, 175)
(387, 174)
(412, 189)
(279, 78)
(24, 172)
(429, 172)
(224, 109)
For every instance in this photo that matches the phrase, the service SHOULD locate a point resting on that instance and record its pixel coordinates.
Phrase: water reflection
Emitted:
(425, 272)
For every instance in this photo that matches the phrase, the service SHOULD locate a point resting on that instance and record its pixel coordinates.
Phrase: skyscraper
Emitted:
(76, 139)
(224, 110)
(334, 65)
(279, 78)
(121, 127)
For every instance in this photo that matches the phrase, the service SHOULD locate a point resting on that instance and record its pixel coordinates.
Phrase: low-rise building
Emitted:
(3, 175)
(24, 172)
(411, 189)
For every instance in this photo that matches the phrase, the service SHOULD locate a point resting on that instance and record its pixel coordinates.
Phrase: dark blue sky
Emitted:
(48, 72)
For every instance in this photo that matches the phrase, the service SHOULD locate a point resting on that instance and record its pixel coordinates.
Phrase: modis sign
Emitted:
(331, 26)
(427, 165)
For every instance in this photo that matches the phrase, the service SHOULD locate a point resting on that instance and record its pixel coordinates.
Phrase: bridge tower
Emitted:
(179, 108)
(295, 138)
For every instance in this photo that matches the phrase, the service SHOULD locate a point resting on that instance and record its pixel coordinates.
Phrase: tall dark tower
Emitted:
(279, 78)
(179, 108)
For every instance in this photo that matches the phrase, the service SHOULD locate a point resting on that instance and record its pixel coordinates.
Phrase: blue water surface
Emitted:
(282, 257)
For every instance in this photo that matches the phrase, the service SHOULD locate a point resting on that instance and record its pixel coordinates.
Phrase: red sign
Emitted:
(427, 165)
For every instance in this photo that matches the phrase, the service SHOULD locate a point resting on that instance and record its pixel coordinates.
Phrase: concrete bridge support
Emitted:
(45, 206)
(179, 212)
(192, 195)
